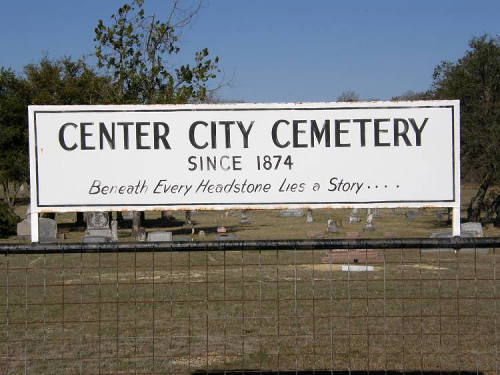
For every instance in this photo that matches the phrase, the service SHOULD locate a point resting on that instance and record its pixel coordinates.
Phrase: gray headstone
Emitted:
(331, 226)
(293, 212)
(448, 234)
(159, 236)
(187, 217)
(141, 235)
(369, 227)
(411, 215)
(244, 218)
(309, 217)
(97, 224)
(353, 217)
(24, 227)
(114, 230)
(138, 233)
(47, 230)
(201, 234)
(476, 229)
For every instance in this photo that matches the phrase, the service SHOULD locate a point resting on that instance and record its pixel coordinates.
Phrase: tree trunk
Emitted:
(476, 202)
(496, 210)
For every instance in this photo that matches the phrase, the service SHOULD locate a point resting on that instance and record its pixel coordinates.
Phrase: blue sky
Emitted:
(278, 50)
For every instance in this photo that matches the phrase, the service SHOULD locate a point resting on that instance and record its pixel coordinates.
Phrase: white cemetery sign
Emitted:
(183, 157)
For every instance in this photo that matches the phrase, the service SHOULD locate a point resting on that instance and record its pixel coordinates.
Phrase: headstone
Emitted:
(309, 216)
(369, 227)
(114, 230)
(221, 229)
(97, 227)
(411, 215)
(466, 230)
(476, 229)
(24, 228)
(293, 212)
(47, 230)
(226, 237)
(141, 235)
(187, 217)
(136, 227)
(244, 218)
(353, 217)
(97, 224)
(447, 233)
(331, 226)
(201, 234)
(159, 236)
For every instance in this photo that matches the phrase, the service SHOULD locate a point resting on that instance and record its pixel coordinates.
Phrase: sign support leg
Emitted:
(34, 226)
(456, 221)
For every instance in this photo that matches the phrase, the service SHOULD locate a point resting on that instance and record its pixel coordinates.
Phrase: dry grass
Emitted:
(267, 224)
(182, 312)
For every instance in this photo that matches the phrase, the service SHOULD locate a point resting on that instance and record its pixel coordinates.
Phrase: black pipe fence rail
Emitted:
(455, 243)
(348, 306)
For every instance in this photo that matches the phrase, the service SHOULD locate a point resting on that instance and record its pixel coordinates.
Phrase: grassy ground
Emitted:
(182, 312)
(267, 224)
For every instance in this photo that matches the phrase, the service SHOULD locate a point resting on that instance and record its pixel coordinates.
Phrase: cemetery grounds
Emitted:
(182, 312)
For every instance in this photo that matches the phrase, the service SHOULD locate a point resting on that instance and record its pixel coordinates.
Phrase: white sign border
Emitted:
(454, 203)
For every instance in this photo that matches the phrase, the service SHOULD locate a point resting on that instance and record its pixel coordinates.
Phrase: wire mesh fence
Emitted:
(237, 309)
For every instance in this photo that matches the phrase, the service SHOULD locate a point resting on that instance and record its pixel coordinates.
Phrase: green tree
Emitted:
(135, 50)
(475, 80)
(14, 170)
(65, 82)
(48, 82)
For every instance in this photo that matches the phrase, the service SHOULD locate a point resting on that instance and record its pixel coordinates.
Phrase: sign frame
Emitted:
(38, 207)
